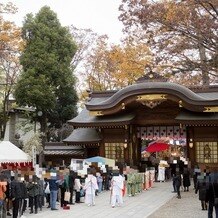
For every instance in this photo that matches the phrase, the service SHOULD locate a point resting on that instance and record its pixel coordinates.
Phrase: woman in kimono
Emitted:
(117, 185)
(161, 173)
(90, 187)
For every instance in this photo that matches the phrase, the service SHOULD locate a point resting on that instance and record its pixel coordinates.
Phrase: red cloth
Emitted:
(124, 190)
(14, 166)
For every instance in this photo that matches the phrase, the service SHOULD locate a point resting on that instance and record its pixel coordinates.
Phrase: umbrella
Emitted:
(157, 146)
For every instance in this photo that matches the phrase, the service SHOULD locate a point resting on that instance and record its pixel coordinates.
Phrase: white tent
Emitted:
(10, 153)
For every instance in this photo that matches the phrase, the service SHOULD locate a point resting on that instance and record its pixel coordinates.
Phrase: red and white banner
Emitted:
(156, 132)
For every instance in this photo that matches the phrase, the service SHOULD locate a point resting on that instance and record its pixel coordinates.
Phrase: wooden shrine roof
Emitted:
(189, 117)
(84, 119)
(190, 100)
(59, 148)
(83, 136)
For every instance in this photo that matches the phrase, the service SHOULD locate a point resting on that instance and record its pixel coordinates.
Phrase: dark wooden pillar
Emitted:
(191, 145)
(101, 149)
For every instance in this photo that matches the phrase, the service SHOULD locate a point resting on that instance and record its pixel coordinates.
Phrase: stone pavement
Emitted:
(156, 202)
(187, 207)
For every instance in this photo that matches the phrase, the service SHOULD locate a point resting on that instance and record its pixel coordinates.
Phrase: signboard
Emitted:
(76, 164)
(34, 156)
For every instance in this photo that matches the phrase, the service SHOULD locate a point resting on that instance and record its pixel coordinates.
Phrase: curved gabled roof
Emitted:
(85, 119)
(189, 99)
(83, 135)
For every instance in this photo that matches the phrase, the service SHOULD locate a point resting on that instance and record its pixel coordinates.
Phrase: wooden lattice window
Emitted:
(207, 152)
(114, 151)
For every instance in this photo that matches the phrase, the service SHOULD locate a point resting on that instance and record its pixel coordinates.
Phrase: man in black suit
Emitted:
(16, 196)
(212, 193)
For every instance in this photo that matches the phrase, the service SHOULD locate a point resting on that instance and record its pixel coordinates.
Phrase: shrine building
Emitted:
(117, 124)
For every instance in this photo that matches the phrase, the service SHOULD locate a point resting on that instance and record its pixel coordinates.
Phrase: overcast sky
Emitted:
(99, 15)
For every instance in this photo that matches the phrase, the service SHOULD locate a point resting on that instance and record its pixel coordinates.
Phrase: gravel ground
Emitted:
(187, 207)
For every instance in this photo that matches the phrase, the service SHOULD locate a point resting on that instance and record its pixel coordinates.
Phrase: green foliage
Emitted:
(35, 91)
(47, 82)
(35, 140)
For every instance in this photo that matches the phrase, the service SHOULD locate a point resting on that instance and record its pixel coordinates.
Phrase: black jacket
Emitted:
(33, 189)
(8, 191)
(212, 187)
(71, 181)
(177, 180)
(23, 188)
(201, 188)
(16, 191)
(186, 178)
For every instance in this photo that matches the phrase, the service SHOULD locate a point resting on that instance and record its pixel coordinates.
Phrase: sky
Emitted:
(99, 15)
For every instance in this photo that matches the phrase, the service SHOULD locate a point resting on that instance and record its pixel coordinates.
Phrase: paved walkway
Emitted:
(187, 207)
(156, 202)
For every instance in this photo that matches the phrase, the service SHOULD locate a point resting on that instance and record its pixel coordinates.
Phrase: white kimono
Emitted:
(117, 185)
(90, 187)
(161, 174)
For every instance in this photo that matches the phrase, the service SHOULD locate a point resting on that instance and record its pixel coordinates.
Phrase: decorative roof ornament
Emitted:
(151, 76)
(151, 104)
(151, 100)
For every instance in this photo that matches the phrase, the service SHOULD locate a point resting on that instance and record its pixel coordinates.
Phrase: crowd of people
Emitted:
(205, 185)
(29, 193)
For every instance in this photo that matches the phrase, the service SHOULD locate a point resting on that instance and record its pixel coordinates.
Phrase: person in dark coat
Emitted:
(174, 183)
(197, 172)
(33, 191)
(41, 193)
(64, 186)
(16, 196)
(186, 179)
(24, 196)
(107, 181)
(71, 186)
(178, 182)
(201, 189)
(212, 193)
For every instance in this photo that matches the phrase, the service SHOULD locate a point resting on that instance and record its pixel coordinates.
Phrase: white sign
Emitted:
(34, 156)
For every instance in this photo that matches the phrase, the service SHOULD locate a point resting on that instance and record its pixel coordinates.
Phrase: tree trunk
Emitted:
(43, 129)
(5, 116)
(203, 59)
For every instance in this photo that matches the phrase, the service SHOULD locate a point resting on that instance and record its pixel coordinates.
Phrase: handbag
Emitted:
(82, 192)
(215, 198)
(47, 189)
(67, 196)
